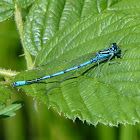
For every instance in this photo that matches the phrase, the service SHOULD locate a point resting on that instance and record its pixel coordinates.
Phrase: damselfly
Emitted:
(106, 54)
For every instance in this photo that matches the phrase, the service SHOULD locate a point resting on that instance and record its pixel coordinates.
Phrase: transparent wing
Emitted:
(62, 65)
(58, 65)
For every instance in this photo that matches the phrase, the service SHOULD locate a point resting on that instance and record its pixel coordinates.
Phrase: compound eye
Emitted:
(114, 46)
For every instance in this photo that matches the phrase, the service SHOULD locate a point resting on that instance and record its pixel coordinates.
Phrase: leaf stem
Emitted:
(7, 73)
(19, 23)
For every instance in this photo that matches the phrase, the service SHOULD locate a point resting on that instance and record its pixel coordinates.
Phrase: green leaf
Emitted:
(8, 111)
(24, 3)
(42, 23)
(4, 94)
(91, 7)
(111, 99)
(6, 9)
(47, 17)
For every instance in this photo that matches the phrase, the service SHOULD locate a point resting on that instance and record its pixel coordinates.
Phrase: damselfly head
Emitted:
(115, 47)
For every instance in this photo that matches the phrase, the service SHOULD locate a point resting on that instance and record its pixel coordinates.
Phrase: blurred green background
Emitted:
(35, 121)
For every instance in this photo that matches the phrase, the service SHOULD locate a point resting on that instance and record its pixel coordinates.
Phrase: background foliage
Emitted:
(55, 31)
